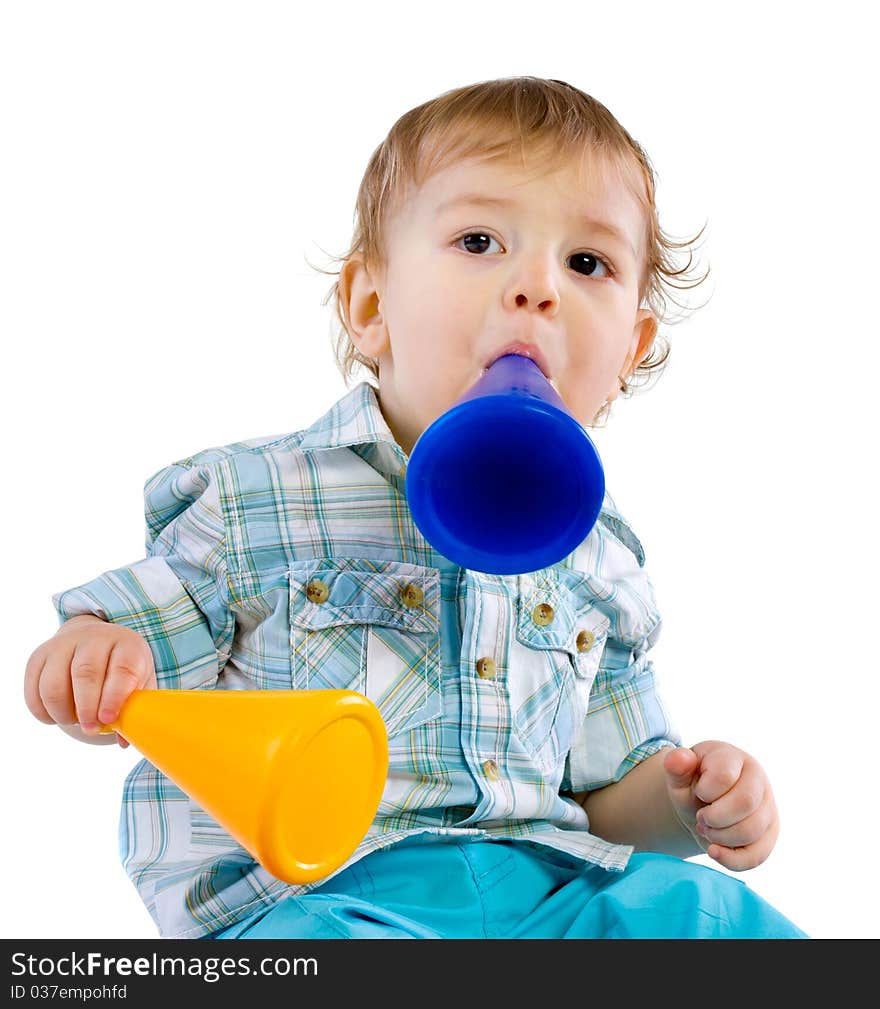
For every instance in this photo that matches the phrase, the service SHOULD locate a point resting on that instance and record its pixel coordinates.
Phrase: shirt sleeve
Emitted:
(177, 597)
(626, 721)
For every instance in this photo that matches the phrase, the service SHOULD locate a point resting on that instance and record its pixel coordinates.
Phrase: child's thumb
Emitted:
(680, 765)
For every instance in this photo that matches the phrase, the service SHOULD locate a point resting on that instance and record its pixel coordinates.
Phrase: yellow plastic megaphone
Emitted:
(295, 776)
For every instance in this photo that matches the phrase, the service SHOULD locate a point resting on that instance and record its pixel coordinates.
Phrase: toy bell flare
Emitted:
(295, 776)
(506, 481)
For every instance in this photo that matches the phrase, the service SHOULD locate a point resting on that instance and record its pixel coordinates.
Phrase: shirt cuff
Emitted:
(625, 724)
(149, 598)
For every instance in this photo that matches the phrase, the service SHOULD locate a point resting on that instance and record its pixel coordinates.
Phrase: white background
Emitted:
(168, 170)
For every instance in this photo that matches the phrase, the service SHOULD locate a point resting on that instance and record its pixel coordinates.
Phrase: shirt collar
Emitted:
(356, 422)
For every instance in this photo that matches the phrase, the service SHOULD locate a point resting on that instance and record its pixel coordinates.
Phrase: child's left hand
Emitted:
(723, 797)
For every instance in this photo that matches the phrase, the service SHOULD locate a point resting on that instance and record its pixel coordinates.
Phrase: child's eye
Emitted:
(585, 263)
(481, 240)
(589, 263)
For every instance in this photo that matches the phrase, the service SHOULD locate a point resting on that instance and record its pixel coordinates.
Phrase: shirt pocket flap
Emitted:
(560, 640)
(558, 612)
(372, 627)
(331, 592)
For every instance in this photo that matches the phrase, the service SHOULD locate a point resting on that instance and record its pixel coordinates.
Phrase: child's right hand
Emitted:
(84, 673)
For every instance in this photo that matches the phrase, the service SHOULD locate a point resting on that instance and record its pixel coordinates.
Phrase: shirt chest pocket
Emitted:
(560, 638)
(369, 626)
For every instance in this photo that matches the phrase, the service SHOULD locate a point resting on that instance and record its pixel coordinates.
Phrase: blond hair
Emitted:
(494, 119)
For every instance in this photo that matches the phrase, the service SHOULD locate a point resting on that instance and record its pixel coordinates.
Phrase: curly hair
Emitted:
(498, 119)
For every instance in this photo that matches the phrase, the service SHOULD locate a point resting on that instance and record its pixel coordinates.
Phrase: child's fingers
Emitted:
(88, 667)
(54, 687)
(680, 764)
(742, 833)
(747, 856)
(720, 769)
(747, 796)
(32, 675)
(129, 668)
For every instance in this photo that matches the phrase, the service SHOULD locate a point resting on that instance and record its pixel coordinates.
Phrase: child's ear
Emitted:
(360, 303)
(644, 332)
(643, 335)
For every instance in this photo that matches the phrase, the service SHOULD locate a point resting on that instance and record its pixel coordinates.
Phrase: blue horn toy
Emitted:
(506, 481)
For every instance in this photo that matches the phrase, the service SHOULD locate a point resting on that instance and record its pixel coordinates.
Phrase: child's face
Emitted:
(530, 271)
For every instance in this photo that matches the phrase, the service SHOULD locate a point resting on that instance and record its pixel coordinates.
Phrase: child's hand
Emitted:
(723, 797)
(85, 672)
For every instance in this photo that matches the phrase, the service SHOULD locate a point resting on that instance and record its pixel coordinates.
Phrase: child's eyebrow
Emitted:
(480, 200)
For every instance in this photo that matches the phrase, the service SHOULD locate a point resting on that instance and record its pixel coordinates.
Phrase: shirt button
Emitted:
(490, 769)
(542, 614)
(585, 641)
(486, 669)
(412, 595)
(317, 591)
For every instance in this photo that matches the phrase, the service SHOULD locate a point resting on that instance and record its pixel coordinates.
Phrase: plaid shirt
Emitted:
(234, 536)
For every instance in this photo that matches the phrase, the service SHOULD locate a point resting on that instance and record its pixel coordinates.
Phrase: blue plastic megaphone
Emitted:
(506, 481)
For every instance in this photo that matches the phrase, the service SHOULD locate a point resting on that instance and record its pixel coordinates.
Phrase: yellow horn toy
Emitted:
(295, 776)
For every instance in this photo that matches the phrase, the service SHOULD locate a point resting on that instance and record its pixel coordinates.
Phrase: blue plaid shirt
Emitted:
(493, 713)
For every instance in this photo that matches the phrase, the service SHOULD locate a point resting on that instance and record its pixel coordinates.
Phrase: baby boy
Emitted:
(535, 787)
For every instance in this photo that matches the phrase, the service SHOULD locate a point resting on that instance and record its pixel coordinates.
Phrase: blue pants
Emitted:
(468, 888)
